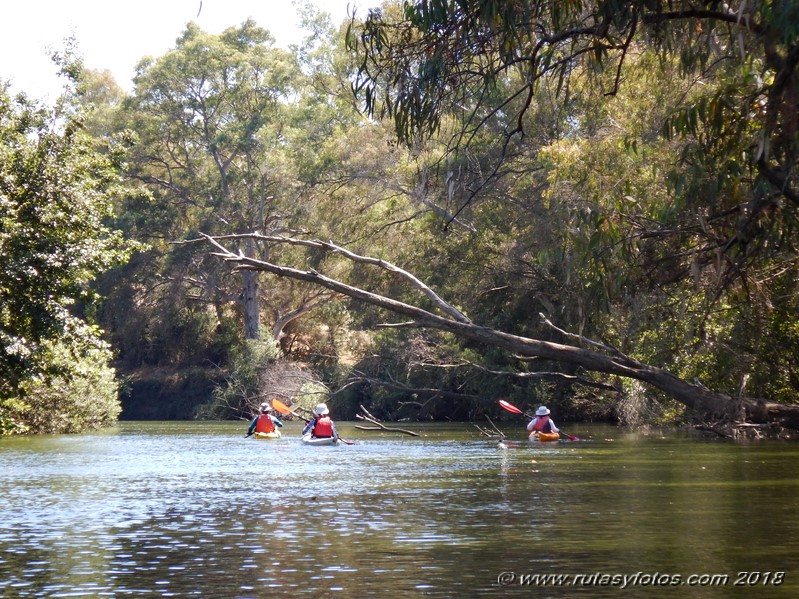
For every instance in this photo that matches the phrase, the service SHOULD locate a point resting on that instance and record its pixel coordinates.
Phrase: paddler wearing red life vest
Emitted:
(542, 423)
(321, 425)
(265, 422)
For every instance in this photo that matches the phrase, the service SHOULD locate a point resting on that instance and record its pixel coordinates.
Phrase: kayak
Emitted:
(273, 435)
(544, 437)
(310, 440)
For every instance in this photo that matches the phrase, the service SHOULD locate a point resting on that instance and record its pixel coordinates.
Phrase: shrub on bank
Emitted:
(83, 395)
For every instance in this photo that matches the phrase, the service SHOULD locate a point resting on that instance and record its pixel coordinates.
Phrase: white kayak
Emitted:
(308, 439)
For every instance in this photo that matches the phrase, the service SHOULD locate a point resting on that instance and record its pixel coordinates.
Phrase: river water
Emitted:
(188, 509)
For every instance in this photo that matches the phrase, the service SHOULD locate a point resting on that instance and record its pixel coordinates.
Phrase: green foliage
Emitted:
(732, 119)
(82, 396)
(639, 407)
(212, 117)
(627, 172)
(654, 207)
(310, 394)
(56, 194)
(258, 372)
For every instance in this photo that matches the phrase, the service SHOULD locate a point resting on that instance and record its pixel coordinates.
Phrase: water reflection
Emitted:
(194, 509)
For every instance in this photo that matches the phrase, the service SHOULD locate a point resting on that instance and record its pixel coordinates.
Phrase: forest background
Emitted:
(589, 205)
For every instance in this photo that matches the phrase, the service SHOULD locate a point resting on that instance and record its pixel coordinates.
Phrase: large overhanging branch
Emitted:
(704, 401)
(331, 248)
(528, 375)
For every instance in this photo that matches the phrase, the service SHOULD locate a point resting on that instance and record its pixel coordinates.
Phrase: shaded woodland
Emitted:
(438, 204)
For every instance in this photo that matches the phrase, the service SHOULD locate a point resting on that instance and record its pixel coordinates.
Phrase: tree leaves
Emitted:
(56, 192)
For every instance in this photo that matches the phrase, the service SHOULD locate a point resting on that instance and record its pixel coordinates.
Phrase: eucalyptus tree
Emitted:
(688, 208)
(484, 60)
(358, 185)
(211, 116)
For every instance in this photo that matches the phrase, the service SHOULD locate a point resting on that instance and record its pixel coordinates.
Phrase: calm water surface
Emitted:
(196, 510)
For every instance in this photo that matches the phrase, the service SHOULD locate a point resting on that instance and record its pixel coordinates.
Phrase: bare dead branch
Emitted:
(332, 248)
(580, 339)
(307, 305)
(492, 432)
(379, 426)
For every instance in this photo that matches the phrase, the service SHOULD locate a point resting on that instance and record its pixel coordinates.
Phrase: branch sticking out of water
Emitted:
(379, 425)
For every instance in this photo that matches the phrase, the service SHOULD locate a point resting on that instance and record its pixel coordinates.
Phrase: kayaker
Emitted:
(321, 425)
(264, 422)
(542, 423)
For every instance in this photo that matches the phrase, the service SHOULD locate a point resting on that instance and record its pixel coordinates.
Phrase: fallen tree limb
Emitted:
(703, 401)
(491, 433)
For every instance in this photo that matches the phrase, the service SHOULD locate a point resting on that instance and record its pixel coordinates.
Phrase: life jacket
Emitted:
(264, 424)
(323, 427)
(542, 426)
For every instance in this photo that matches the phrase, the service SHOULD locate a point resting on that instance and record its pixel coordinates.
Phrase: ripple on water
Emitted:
(170, 510)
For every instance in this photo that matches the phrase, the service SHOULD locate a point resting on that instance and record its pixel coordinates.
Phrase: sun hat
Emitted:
(542, 411)
(265, 407)
(321, 410)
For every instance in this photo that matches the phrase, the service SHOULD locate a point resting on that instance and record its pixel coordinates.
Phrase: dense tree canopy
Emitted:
(483, 62)
(658, 140)
(234, 134)
(56, 193)
(626, 169)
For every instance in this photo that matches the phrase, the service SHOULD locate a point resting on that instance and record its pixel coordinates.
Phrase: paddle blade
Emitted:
(509, 407)
(281, 407)
(284, 409)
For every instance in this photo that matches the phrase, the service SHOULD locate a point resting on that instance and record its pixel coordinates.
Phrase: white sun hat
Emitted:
(321, 410)
(542, 411)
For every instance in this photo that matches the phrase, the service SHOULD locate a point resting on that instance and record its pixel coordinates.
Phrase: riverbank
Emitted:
(166, 394)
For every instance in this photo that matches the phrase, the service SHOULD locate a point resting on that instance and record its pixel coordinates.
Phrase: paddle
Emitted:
(284, 409)
(511, 408)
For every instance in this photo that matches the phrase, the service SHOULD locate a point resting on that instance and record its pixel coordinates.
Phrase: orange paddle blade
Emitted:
(281, 407)
(508, 406)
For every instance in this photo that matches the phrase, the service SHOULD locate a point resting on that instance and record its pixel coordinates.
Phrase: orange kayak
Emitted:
(544, 437)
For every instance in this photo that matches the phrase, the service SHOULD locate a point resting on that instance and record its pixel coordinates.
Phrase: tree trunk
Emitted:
(282, 319)
(250, 304)
(252, 312)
